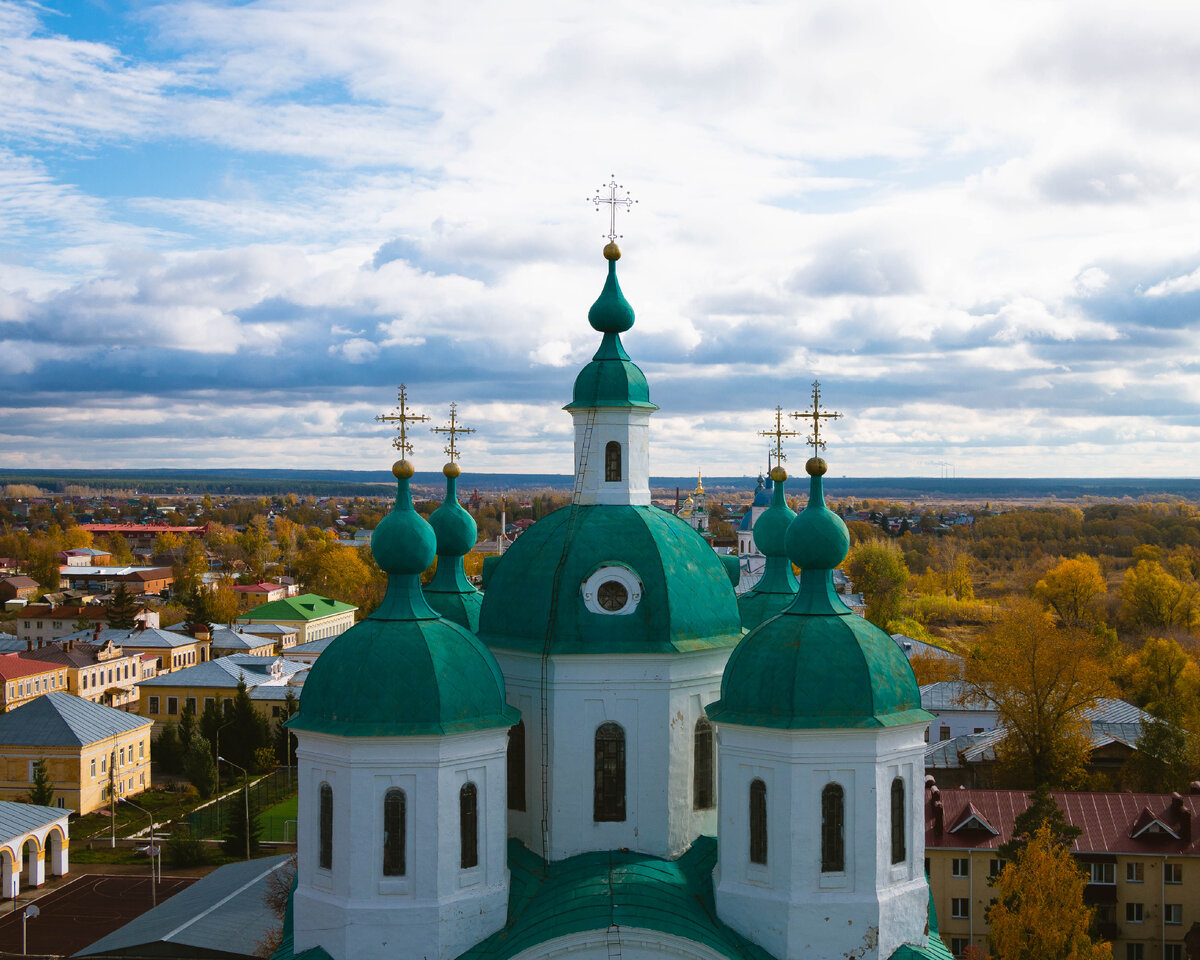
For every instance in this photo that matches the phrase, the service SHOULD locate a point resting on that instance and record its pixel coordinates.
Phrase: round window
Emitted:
(612, 595)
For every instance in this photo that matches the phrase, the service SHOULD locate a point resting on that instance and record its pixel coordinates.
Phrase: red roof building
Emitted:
(23, 679)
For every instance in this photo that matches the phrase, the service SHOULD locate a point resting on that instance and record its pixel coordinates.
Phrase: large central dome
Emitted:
(671, 591)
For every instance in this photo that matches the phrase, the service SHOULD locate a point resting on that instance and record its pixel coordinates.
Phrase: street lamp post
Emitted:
(219, 729)
(246, 796)
(154, 878)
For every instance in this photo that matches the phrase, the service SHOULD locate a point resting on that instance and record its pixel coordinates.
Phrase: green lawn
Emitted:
(274, 818)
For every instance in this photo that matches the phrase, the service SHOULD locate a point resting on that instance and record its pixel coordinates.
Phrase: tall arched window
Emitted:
(325, 830)
(898, 846)
(395, 815)
(612, 461)
(702, 765)
(468, 825)
(608, 794)
(758, 821)
(833, 841)
(516, 767)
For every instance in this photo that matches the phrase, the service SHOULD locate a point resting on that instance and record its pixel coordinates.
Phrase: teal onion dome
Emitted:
(611, 313)
(816, 665)
(771, 528)
(403, 542)
(454, 528)
(777, 586)
(404, 671)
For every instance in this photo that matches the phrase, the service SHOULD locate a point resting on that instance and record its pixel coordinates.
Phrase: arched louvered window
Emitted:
(395, 816)
(468, 825)
(612, 461)
(899, 853)
(833, 839)
(702, 765)
(325, 827)
(608, 793)
(758, 821)
(516, 767)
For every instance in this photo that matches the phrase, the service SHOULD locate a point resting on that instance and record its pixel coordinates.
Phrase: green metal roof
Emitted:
(59, 719)
(453, 596)
(455, 528)
(773, 593)
(611, 380)
(687, 600)
(595, 891)
(403, 672)
(307, 606)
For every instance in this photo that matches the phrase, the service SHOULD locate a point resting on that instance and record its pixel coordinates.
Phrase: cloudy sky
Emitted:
(228, 230)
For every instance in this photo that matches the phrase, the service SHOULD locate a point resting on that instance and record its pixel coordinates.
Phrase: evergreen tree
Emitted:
(187, 725)
(285, 740)
(166, 750)
(249, 731)
(41, 791)
(234, 838)
(198, 764)
(211, 720)
(184, 849)
(1165, 759)
(1041, 810)
(122, 610)
(197, 606)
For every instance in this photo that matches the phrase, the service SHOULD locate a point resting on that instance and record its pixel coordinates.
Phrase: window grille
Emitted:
(608, 796)
(833, 844)
(612, 461)
(394, 822)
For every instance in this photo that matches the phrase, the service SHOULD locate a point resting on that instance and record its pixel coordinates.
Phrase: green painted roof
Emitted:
(459, 602)
(307, 606)
(611, 313)
(454, 527)
(687, 601)
(611, 380)
(595, 891)
(773, 593)
(817, 665)
(403, 542)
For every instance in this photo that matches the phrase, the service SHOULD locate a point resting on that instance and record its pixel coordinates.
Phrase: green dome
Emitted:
(611, 313)
(687, 601)
(454, 527)
(777, 587)
(816, 665)
(611, 380)
(771, 528)
(403, 542)
(403, 671)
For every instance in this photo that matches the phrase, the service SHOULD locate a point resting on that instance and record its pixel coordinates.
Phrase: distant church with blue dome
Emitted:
(608, 752)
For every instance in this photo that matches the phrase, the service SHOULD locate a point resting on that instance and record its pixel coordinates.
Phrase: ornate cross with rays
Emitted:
(454, 429)
(402, 418)
(612, 200)
(816, 416)
(779, 433)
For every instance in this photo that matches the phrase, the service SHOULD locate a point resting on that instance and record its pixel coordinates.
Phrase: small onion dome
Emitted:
(771, 529)
(404, 671)
(454, 527)
(777, 586)
(762, 493)
(611, 313)
(817, 665)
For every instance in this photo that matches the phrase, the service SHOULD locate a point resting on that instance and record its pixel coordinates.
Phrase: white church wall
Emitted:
(630, 427)
(789, 906)
(657, 700)
(353, 910)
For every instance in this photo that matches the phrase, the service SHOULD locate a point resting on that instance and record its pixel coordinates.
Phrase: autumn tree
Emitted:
(1153, 599)
(1163, 679)
(877, 569)
(1073, 589)
(1039, 911)
(1042, 678)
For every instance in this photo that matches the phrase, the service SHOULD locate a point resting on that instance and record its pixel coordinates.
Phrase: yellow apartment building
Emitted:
(89, 750)
(268, 680)
(25, 679)
(99, 671)
(313, 617)
(1139, 850)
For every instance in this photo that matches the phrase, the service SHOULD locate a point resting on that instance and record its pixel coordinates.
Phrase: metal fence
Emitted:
(265, 791)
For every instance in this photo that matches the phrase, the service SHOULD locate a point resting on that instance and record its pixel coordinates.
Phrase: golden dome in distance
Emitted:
(403, 470)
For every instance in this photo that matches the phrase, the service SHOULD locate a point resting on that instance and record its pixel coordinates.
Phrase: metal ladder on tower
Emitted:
(585, 448)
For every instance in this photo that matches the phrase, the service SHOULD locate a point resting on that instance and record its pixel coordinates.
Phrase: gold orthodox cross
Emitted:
(612, 200)
(402, 418)
(816, 416)
(454, 429)
(779, 433)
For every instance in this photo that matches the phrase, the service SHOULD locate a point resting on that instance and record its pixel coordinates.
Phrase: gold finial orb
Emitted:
(403, 470)
(612, 251)
(778, 474)
(816, 466)
(451, 470)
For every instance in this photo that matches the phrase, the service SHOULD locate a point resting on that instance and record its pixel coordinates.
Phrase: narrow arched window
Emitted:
(833, 841)
(468, 825)
(395, 815)
(516, 767)
(702, 765)
(325, 831)
(608, 794)
(898, 846)
(612, 461)
(758, 821)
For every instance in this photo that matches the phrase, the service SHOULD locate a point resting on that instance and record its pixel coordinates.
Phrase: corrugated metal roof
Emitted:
(225, 672)
(58, 719)
(19, 819)
(223, 915)
(150, 637)
(307, 606)
(952, 695)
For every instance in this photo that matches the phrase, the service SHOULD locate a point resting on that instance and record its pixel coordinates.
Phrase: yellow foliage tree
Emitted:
(1041, 677)
(1152, 598)
(1163, 679)
(933, 669)
(1072, 589)
(1039, 913)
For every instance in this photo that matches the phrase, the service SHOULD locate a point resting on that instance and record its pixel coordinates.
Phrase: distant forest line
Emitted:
(351, 483)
